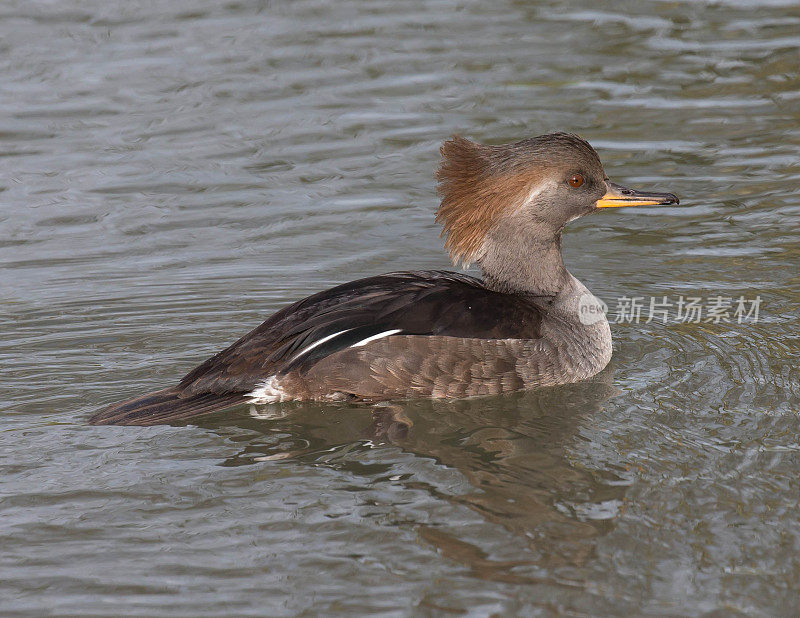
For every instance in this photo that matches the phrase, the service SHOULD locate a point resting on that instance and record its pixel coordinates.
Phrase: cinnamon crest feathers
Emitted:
(478, 183)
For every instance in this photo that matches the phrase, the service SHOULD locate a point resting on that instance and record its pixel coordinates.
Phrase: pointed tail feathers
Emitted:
(165, 406)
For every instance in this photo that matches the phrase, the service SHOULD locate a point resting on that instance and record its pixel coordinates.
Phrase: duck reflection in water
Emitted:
(518, 453)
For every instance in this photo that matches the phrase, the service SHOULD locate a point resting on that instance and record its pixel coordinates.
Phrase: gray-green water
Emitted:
(172, 173)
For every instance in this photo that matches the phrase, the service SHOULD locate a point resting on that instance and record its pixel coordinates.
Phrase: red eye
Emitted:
(576, 180)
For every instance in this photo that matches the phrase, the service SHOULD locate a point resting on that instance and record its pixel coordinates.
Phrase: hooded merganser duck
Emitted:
(436, 334)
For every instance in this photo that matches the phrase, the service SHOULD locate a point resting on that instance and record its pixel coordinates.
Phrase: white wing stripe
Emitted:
(385, 333)
(308, 348)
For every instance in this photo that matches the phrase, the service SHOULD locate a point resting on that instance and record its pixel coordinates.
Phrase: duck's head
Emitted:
(528, 190)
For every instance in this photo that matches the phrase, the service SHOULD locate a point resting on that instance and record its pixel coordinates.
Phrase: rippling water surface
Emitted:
(172, 173)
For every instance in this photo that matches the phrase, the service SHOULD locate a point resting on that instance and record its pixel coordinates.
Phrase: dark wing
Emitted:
(412, 303)
(297, 337)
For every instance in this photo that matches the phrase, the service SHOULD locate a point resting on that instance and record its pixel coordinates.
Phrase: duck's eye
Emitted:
(576, 180)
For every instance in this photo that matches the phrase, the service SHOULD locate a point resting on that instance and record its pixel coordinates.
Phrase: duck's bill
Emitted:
(618, 196)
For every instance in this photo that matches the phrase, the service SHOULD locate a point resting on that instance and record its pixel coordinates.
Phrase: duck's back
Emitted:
(423, 333)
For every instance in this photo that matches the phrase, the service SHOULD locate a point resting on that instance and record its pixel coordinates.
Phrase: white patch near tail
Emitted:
(385, 333)
(308, 348)
(268, 391)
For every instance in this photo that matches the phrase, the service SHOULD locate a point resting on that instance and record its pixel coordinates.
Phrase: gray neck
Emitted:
(514, 262)
(524, 258)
